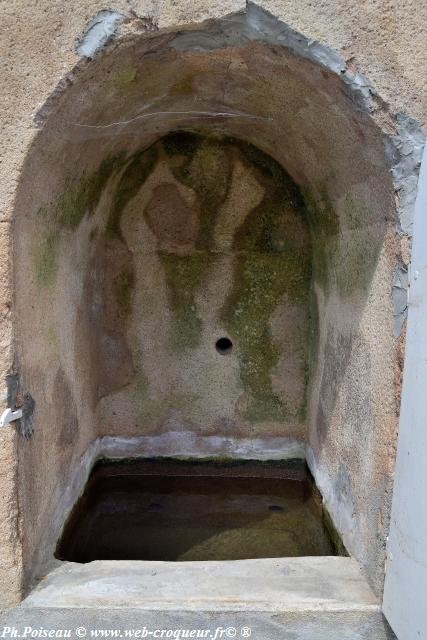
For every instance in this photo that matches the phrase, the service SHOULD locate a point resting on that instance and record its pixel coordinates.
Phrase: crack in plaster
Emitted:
(193, 114)
(404, 149)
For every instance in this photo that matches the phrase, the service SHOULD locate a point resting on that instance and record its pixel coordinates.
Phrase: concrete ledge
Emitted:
(273, 585)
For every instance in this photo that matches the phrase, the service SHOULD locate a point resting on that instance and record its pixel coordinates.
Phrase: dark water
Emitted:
(168, 510)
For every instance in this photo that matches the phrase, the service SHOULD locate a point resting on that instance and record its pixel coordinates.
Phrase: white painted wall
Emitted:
(405, 595)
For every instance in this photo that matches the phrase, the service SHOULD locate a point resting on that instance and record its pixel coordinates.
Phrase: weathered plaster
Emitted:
(348, 28)
(255, 24)
(409, 145)
(162, 342)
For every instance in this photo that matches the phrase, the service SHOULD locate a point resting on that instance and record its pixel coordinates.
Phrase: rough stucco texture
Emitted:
(145, 253)
(331, 150)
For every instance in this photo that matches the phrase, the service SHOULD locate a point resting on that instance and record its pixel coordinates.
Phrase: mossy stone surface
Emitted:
(46, 261)
(346, 245)
(273, 260)
(184, 274)
(269, 258)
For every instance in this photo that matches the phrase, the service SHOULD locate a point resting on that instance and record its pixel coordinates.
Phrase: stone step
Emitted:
(323, 598)
(276, 584)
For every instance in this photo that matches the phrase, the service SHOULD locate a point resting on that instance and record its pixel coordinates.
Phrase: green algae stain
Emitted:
(52, 339)
(355, 263)
(184, 275)
(138, 168)
(46, 261)
(124, 77)
(355, 216)
(207, 169)
(211, 175)
(273, 260)
(81, 195)
(266, 167)
(260, 283)
(360, 245)
(345, 249)
(324, 225)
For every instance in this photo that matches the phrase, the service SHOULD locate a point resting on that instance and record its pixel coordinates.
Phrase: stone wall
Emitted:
(104, 294)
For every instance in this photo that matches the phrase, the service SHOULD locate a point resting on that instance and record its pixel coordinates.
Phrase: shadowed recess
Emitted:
(165, 510)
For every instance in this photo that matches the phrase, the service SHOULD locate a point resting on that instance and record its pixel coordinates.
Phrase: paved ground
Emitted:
(88, 623)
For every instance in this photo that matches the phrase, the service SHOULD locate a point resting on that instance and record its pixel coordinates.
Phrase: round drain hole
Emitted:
(275, 507)
(224, 346)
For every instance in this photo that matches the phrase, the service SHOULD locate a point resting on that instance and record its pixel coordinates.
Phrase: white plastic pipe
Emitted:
(9, 416)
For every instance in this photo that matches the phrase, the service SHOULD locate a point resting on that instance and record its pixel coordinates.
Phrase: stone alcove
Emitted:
(229, 180)
(199, 238)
